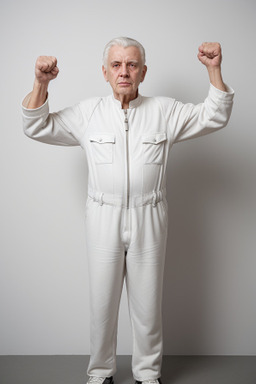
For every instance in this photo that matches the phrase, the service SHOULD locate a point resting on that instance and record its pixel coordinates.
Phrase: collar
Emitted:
(132, 104)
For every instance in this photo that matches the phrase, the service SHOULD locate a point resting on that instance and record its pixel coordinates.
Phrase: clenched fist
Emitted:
(46, 69)
(210, 54)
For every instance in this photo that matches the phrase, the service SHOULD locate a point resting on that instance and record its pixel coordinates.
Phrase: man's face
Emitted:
(124, 71)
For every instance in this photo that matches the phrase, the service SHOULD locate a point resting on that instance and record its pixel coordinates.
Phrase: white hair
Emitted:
(123, 42)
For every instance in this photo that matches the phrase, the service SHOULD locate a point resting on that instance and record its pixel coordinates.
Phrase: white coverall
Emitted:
(126, 210)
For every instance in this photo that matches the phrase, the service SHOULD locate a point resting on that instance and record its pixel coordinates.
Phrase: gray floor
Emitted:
(176, 370)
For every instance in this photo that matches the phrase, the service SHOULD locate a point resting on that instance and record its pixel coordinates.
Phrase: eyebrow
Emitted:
(130, 61)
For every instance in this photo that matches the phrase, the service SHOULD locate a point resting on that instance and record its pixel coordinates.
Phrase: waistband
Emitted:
(135, 201)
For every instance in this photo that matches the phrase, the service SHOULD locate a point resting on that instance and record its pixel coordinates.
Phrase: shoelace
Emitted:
(96, 380)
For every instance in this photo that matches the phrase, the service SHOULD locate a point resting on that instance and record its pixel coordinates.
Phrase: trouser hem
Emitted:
(106, 375)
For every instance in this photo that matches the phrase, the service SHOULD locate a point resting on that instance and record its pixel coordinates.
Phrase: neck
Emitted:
(125, 99)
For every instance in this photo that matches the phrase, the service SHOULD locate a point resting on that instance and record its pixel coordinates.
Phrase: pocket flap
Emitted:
(102, 138)
(154, 138)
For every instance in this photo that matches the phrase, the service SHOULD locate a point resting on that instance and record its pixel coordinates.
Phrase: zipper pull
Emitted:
(126, 120)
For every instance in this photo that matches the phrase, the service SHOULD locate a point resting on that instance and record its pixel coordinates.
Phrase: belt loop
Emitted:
(154, 199)
(101, 199)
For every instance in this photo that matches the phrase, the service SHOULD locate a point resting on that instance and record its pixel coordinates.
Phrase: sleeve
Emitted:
(188, 121)
(65, 127)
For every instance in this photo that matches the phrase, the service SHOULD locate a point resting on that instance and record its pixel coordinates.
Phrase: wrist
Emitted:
(40, 86)
(38, 95)
(214, 68)
(215, 77)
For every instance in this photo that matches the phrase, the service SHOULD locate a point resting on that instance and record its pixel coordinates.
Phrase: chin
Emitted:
(126, 92)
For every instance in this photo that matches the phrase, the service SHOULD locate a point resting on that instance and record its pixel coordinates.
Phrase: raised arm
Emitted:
(210, 55)
(64, 127)
(189, 121)
(45, 70)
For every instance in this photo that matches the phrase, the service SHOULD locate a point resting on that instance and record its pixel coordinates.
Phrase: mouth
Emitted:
(124, 84)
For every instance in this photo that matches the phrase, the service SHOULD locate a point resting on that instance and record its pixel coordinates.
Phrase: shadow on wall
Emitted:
(203, 191)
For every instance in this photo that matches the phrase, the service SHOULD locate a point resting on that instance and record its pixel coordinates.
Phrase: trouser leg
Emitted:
(144, 279)
(106, 266)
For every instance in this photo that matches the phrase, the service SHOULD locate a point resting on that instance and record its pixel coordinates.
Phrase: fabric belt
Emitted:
(135, 201)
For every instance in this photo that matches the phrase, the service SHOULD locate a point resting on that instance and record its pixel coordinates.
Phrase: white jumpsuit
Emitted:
(126, 210)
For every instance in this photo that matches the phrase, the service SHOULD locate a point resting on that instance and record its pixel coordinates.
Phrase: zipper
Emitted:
(126, 127)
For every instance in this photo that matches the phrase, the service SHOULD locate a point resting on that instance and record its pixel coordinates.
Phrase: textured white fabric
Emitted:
(126, 243)
(126, 211)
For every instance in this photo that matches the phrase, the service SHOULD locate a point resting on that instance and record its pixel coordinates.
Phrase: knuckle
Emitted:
(38, 60)
(53, 59)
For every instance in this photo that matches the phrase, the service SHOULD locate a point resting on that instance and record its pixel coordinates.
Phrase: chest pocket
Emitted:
(153, 145)
(102, 146)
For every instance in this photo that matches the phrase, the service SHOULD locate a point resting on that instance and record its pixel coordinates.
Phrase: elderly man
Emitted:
(127, 138)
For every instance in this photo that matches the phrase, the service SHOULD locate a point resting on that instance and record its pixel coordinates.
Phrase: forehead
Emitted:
(119, 53)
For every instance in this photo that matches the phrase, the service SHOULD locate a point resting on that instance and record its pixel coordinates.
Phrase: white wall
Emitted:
(210, 285)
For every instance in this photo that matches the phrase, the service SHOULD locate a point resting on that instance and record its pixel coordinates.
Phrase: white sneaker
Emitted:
(100, 380)
(95, 380)
(150, 382)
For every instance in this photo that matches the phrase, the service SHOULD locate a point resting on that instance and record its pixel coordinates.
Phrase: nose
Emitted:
(124, 71)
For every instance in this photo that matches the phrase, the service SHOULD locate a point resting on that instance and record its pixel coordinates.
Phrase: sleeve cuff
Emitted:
(228, 95)
(44, 108)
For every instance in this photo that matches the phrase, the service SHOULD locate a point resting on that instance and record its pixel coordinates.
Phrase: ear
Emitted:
(104, 71)
(144, 71)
